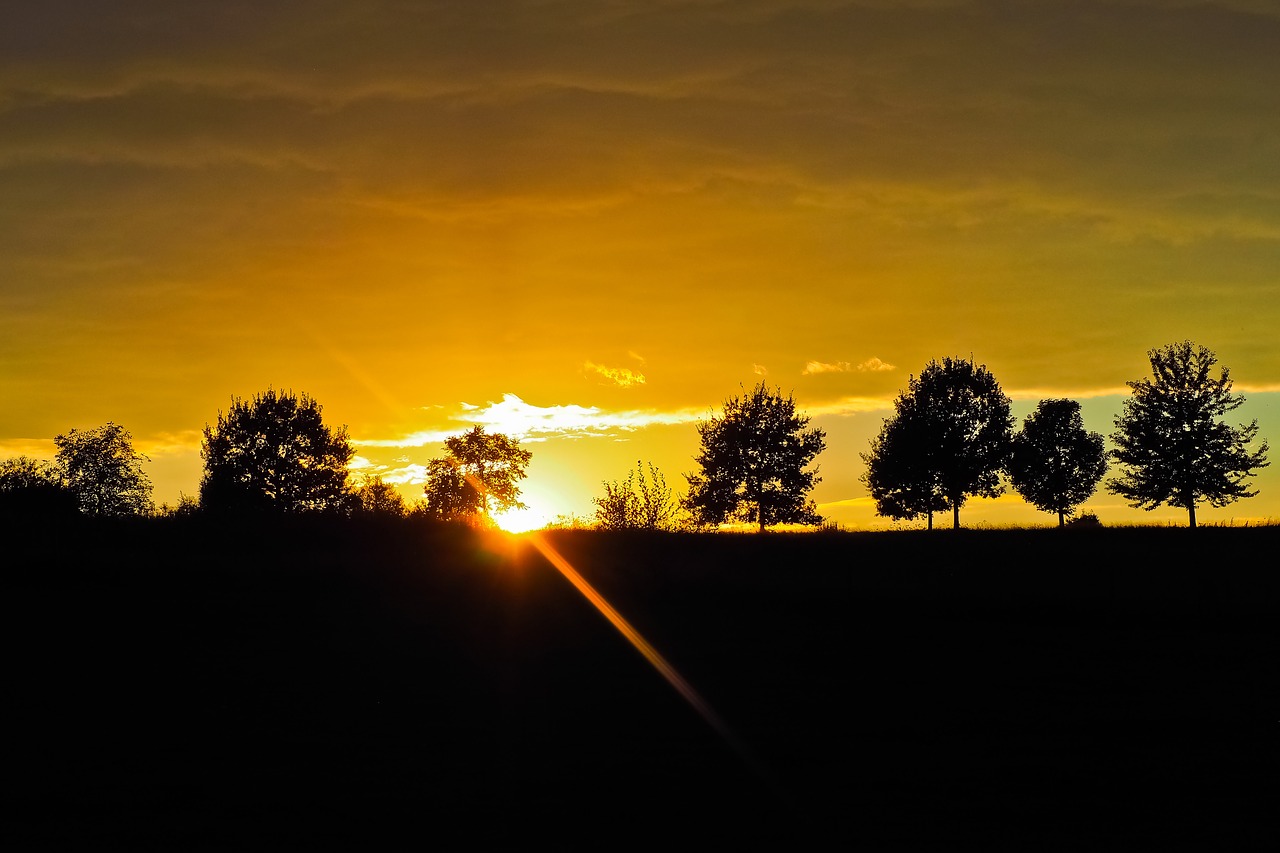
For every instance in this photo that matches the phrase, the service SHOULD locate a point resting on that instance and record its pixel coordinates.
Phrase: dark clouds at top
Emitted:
(166, 169)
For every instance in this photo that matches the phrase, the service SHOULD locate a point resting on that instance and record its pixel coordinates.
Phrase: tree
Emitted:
(1172, 442)
(948, 440)
(275, 454)
(104, 471)
(637, 502)
(376, 497)
(753, 463)
(899, 475)
(1055, 464)
(33, 488)
(480, 474)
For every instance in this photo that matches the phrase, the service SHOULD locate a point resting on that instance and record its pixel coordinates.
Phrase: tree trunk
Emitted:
(930, 519)
(955, 515)
(1191, 514)
(1062, 522)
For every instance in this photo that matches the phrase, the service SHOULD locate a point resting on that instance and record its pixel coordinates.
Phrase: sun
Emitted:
(521, 520)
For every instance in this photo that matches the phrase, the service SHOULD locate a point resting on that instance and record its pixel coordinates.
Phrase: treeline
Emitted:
(950, 437)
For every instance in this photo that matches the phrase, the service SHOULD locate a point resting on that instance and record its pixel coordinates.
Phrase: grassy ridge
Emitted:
(182, 685)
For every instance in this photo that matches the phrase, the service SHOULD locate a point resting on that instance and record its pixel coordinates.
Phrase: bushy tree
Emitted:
(1056, 464)
(33, 488)
(638, 502)
(274, 453)
(104, 471)
(480, 474)
(900, 473)
(948, 440)
(1172, 442)
(753, 463)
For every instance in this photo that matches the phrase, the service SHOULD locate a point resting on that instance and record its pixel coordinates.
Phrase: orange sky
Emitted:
(589, 222)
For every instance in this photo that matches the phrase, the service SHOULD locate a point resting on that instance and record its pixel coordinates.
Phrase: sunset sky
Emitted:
(586, 224)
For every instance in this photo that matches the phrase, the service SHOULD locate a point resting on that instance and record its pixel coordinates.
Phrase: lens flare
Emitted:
(656, 660)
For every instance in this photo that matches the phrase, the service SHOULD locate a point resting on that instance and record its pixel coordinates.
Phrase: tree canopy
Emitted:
(480, 474)
(948, 440)
(753, 463)
(1171, 440)
(102, 469)
(1056, 464)
(274, 453)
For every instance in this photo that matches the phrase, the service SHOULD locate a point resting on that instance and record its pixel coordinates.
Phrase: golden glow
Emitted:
(523, 216)
(521, 520)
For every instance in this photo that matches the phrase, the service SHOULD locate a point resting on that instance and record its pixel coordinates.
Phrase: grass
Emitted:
(384, 686)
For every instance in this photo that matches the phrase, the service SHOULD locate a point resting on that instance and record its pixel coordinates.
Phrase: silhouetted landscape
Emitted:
(182, 683)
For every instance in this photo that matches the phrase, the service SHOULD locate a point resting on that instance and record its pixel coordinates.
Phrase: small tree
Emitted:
(480, 474)
(275, 454)
(376, 497)
(104, 471)
(1171, 440)
(753, 463)
(949, 440)
(637, 502)
(1056, 465)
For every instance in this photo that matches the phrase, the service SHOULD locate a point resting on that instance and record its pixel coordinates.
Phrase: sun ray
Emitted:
(655, 659)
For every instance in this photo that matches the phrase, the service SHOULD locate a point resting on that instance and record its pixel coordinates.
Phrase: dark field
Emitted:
(179, 687)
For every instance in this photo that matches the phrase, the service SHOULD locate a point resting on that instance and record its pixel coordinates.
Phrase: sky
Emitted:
(588, 224)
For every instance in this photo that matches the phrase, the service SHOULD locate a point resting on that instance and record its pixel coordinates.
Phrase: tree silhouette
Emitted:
(1171, 440)
(104, 471)
(33, 488)
(949, 439)
(275, 454)
(752, 463)
(480, 474)
(376, 497)
(899, 475)
(1056, 465)
(638, 502)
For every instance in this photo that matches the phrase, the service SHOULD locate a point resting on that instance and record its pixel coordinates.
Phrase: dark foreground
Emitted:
(179, 687)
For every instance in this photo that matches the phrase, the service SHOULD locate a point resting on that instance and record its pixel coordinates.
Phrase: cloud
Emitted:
(36, 448)
(516, 418)
(759, 370)
(814, 367)
(875, 365)
(850, 406)
(620, 376)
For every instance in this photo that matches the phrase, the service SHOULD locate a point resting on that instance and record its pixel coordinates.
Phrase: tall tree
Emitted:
(104, 471)
(274, 453)
(948, 440)
(753, 463)
(1056, 464)
(480, 474)
(1172, 442)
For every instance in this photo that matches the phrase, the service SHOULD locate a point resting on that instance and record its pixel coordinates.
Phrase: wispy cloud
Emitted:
(871, 365)
(759, 370)
(850, 406)
(814, 367)
(514, 417)
(621, 376)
